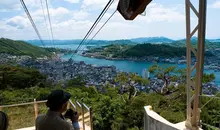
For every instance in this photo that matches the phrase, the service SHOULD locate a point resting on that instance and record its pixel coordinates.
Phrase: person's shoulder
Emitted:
(40, 117)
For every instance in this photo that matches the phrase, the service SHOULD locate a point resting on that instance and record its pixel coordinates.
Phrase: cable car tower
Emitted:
(130, 9)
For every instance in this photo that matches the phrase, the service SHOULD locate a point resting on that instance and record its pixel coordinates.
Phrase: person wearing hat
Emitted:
(54, 120)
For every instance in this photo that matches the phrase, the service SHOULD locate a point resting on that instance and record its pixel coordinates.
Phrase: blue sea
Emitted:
(123, 65)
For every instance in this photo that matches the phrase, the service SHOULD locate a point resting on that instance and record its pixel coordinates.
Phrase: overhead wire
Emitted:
(51, 29)
(99, 29)
(45, 20)
(32, 22)
(209, 100)
(94, 24)
(101, 16)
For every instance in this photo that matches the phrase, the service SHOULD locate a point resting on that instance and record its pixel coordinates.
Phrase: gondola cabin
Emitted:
(129, 9)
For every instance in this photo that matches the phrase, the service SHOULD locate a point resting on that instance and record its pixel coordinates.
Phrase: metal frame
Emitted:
(193, 111)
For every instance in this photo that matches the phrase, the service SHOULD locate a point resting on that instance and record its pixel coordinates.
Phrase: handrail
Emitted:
(72, 104)
(85, 106)
(23, 104)
(78, 104)
(85, 117)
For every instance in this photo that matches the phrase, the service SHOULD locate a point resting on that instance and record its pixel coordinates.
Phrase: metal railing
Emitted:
(23, 115)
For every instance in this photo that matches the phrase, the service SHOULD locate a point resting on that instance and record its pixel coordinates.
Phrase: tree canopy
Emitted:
(112, 109)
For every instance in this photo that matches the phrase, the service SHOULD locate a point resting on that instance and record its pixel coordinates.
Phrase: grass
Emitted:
(23, 116)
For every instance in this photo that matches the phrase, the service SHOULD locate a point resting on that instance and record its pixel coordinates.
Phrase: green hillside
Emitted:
(182, 43)
(142, 50)
(22, 48)
(139, 50)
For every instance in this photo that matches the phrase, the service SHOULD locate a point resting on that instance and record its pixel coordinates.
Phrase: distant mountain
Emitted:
(195, 39)
(209, 44)
(133, 41)
(56, 42)
(78, 41)
(214, 40)
(64, 42)
(22, 48)
(122, 42)
(152, 40)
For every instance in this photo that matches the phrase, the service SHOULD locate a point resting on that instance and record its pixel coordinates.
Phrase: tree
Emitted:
(19, 77)
(76, 82)
(164, 74)
(208, 78)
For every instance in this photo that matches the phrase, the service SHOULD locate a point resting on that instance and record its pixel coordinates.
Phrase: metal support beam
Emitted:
(193, 111)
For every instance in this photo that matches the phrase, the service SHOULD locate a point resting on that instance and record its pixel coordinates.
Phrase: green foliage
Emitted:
(208, 78)
(76, 82)
(182, 43)
(19, 77)
(142, 50)
(110, 50)
(210, 113)
(113, 110)
(22, 48)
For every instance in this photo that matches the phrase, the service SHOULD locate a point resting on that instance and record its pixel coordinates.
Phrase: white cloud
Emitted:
(160, 20)
(59, 11)
(154, 13)
(216, 4)
(91, 3)
(19, 22)
(78, 22)
(72, 1)
(157, 12)
(71, 29)
(80, 15)
(55, 14)
(9, 5)
(97, 4)
(12, 5)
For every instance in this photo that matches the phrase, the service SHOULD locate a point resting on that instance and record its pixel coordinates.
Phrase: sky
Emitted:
(71, 19)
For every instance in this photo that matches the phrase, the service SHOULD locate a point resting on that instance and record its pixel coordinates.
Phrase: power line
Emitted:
(95, 23)
(45, 20)
(100, 29)
(51, 30)
(100, 17)
(209, 101)
(32, 22)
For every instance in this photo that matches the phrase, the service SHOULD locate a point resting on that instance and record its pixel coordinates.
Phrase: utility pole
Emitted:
(193, 110)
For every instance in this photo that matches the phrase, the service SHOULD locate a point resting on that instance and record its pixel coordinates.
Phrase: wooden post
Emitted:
(0, 108)
(83, 120)
(68, 105)
(35, 109)
(91, 119)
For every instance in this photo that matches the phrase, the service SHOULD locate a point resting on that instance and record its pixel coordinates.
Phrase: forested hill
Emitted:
(22, 48)
(141, 50)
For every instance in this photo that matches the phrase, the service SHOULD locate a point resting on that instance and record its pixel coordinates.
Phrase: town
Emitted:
(58, 71)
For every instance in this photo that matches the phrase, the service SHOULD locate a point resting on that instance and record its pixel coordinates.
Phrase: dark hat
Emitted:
(57, 98)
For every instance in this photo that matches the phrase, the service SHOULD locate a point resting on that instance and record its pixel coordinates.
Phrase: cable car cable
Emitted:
(45, 20)
(32, 22)
(95, 23)
(100, 29)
